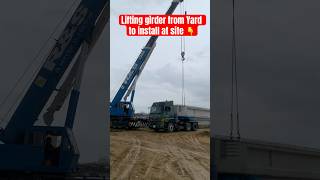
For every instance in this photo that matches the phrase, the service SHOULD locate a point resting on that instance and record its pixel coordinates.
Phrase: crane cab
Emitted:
(42, 150)
(121, 114)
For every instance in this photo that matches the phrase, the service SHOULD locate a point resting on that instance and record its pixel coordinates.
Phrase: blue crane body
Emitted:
(122, 112)
(22, 144)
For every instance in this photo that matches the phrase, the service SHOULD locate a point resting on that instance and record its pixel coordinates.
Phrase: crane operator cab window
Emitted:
(52, 145)
(126, 108)
(49, 142)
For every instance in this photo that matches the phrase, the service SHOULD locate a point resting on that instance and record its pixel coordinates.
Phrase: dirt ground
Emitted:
(147, 155)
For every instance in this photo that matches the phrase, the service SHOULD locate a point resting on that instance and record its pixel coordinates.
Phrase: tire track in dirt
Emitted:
(144, 154)
(184, 158)
(127, 163)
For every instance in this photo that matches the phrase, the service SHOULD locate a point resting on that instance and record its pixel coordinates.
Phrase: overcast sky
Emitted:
(279, 60)
(161, 78)
(25, 26)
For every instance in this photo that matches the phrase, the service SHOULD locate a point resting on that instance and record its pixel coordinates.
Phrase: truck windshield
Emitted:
(156, 109)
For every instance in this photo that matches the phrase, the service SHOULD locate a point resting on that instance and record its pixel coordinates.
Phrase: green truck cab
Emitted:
(165, 116)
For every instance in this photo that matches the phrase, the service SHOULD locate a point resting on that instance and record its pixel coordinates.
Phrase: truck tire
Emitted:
(187, 127)
(170, 127)
(194, 126)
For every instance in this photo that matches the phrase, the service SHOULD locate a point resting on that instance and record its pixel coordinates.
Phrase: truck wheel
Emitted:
(188, 127)
(194, 127)
(170, 127)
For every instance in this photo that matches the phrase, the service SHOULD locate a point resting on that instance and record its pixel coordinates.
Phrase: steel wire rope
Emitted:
(234, 80)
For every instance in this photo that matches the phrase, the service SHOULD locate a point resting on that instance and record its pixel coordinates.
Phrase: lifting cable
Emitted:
(29, 66)
(183, 53)
(234, 81)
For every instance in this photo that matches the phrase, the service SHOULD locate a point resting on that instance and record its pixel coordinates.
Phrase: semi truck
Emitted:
(165, 116)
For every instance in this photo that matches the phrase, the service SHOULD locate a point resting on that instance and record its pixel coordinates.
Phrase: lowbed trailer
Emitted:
(165, 116)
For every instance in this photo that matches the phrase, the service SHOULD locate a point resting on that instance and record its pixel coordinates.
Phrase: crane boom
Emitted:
(142, 59)
(65, 49)
(75, 74)
(23, 145)
(122, 111)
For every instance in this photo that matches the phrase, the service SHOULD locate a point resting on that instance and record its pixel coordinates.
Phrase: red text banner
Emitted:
(162, 25)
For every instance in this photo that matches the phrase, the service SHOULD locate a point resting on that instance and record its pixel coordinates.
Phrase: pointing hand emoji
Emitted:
(190, 30)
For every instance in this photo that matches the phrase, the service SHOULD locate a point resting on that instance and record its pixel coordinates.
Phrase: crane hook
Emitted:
(182, 55)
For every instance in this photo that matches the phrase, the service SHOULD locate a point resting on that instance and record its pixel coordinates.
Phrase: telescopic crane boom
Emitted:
(24, 145)
(121, 110)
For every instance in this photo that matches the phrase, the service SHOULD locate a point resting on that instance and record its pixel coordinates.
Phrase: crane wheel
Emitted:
(170, 127)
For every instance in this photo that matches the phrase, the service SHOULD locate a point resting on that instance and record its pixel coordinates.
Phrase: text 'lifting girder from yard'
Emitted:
(162, 25)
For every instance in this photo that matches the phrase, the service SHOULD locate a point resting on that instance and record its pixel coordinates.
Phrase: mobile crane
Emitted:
(24, 147)
(122, 111)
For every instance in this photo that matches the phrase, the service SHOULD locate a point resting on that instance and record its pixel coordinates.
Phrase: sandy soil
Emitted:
(144, 154)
